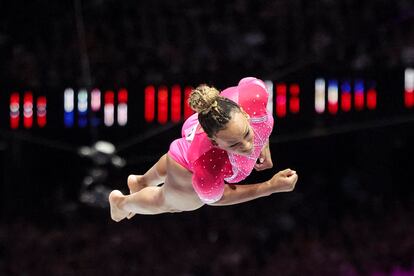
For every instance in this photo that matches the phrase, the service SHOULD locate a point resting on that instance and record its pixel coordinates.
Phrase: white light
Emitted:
(122, 114)
(82, 100)
(85, 151)
(68, 100)
(41, 109)
(333, 93)
(409, 80)
(28, 113)
(28, 110)
(269, 89)
(14, 108)
(104, 147)
(320, 95)
(109, 114)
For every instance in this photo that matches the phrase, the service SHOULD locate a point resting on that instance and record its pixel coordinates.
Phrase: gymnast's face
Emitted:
(238, 135)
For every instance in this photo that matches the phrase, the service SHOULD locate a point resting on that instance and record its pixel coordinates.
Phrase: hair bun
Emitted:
(203, 98)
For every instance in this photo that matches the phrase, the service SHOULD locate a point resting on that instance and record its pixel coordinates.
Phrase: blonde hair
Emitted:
(214, 111)
(203, 98)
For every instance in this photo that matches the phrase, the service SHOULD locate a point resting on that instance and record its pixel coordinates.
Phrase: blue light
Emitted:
(332, 84)
(69, 119)
(346, 87)
(82, 121)
(359, 86)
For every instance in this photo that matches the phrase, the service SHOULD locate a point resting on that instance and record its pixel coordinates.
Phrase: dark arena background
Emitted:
(92, 91)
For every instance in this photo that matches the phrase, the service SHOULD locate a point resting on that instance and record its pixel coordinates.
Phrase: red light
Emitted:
(333, 107)
(346, 101)
(41, 111)
(281, 89)
(14, 122)
(41, 121)
(149, 108)
(281, 100)
(122, 96)
(14, 110)
(176, 103)
(372, 99)
(359, 100)
(294, 90)
(109, 97)
(28, 109)
(41, 102)
(409, 99)
(162, 104)
(187, 109)
(15, 98)
(294, 105)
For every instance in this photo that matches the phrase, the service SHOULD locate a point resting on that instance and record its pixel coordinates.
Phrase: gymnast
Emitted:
(221, 143)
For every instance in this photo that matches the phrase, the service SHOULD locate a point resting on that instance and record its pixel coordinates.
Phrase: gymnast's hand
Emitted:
(265, 159)
(283, 181)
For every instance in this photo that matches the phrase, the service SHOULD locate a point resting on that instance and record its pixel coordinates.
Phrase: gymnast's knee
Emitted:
(162, 204)
(161, 166)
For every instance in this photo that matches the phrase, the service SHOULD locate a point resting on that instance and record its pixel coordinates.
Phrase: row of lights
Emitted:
(159, 108)
(82, 105)
(162, 104)
(332, 95)
(176, 109)
(28, 110)
(92, 116)
(287, 98)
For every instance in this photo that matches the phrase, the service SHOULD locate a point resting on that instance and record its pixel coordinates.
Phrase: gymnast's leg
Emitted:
(153, 177)
(175, 195)
(148, 201)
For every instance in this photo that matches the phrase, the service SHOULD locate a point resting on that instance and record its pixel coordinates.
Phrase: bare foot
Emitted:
(117, 214)
(136, 183)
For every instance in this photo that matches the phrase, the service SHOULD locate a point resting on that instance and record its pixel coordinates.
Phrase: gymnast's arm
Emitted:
(283, 181)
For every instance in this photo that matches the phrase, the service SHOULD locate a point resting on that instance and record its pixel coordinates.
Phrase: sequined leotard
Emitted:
(210, 165)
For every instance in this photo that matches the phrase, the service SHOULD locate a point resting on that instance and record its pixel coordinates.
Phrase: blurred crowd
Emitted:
(157, 41)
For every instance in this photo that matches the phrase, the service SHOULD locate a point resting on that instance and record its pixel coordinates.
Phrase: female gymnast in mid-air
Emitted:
(222, 142)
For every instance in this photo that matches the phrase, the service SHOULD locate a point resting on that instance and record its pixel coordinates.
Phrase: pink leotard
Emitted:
(211, 166)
